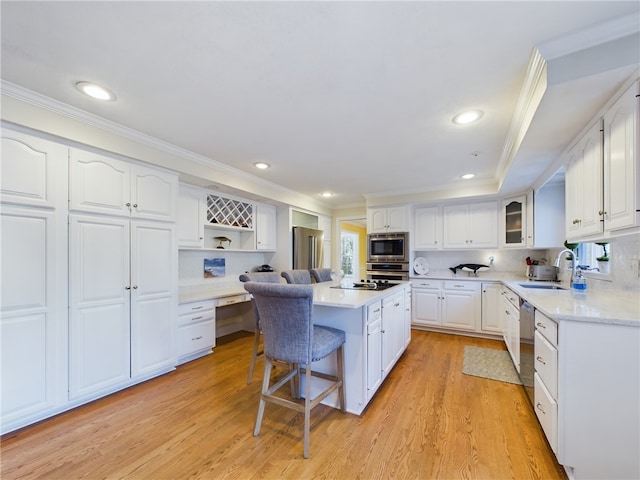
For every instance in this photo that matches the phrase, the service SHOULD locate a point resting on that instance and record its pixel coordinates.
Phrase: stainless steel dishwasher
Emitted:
(527, 319)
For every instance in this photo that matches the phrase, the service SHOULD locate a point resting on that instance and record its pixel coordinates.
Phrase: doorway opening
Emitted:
(353, 248)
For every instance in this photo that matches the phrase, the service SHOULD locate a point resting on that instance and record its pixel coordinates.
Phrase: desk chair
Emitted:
(290, 336)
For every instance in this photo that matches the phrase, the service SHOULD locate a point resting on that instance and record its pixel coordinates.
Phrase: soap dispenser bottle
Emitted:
(579, 283)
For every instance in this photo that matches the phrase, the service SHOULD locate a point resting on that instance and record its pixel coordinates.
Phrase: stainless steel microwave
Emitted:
(388, 247)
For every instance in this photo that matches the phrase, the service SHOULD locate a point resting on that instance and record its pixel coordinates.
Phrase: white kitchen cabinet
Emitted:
(191, 216)
(389, 219)
(511, 324)
(393, 331)
(196, 329)
(470, 225)
(33, 321)
(621, 181)
(449, 304)
(33, 170)
(461, 305)
(491, 303)
(106, 185)
(33, 281)
(427, 229)
(426, 302)
(407, 316)
(514, 222)
(266, 227)
(374, 348)
(122, 302)
(584, 186)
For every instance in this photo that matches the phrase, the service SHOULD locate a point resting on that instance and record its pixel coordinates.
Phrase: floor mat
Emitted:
(489, 363)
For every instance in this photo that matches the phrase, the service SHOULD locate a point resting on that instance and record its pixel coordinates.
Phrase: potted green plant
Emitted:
(603, 260)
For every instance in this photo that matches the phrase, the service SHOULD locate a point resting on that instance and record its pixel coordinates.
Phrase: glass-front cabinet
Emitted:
(514, 222)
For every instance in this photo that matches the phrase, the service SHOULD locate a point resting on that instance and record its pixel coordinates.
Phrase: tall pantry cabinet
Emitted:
(33, 257)
(123, 273)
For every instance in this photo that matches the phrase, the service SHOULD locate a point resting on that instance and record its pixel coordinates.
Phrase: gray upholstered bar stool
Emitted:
(265, 277)
(290, 336)
(321, 274)
(298, 277)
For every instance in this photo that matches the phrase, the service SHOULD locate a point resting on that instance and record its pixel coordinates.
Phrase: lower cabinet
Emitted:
(393, 331)
(445, 303)
(511, 324)
(490, 319)
(196, 329)
(33, 316)
(587, 392)
(122, 303)
(374, 348)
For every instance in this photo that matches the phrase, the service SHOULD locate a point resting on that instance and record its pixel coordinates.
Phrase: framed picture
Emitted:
(214, 267)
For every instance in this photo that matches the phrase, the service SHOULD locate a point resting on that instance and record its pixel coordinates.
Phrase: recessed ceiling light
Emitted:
(326, 194)
(467, 176)
(465, 118)
(95, 91)
(261, 165)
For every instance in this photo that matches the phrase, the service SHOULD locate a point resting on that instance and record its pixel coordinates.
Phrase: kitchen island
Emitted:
(377, 326)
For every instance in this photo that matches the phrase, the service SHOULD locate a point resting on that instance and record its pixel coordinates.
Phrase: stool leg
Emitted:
(256, 344)
(265, 388)
(340, 365)
(307, 409)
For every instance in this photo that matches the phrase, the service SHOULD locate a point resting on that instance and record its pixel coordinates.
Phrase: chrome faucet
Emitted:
(574, 270)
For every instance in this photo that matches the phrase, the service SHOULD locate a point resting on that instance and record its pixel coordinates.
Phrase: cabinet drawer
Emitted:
(222, 302)
(453, 285)
(192, 307)
(197, 316)
(547, 412)
(192, 338)
(547, 327)
(374, 312)
(546, 363)
(426, 284)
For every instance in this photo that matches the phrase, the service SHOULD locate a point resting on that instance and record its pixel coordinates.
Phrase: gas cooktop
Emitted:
(367, 285)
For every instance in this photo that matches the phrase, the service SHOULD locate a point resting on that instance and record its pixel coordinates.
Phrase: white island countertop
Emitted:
(323, 294)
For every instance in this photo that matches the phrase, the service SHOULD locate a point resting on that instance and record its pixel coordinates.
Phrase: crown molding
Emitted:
(75, 114)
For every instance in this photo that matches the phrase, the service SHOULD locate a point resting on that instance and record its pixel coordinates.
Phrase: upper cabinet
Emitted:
(470, 225)
(584, 186)
(602, 184)
(427, 230)
(514, 222)
(390, 219)
(101, 184)
(266, 231)
(191, 216)
(31, 172)
(621, 182)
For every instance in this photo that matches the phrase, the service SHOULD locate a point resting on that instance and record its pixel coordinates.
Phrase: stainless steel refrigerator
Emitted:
(307, 248)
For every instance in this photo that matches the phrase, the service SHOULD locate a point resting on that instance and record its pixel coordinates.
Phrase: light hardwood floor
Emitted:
(428, 421)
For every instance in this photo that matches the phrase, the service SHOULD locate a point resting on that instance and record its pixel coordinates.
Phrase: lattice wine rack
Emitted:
(229, 212)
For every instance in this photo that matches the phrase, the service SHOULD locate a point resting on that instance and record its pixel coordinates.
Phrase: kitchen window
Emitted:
(588, 255)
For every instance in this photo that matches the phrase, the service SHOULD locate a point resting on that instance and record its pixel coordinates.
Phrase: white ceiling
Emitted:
(350, 97)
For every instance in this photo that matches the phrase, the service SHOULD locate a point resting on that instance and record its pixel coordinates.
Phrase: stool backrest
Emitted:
(265, 277)
(298, 277)
(286, 320)
(321, 274)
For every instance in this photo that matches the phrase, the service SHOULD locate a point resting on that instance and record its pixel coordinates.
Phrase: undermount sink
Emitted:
(542, 286)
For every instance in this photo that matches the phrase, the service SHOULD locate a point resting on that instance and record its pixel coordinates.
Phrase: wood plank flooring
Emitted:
(428, 421)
